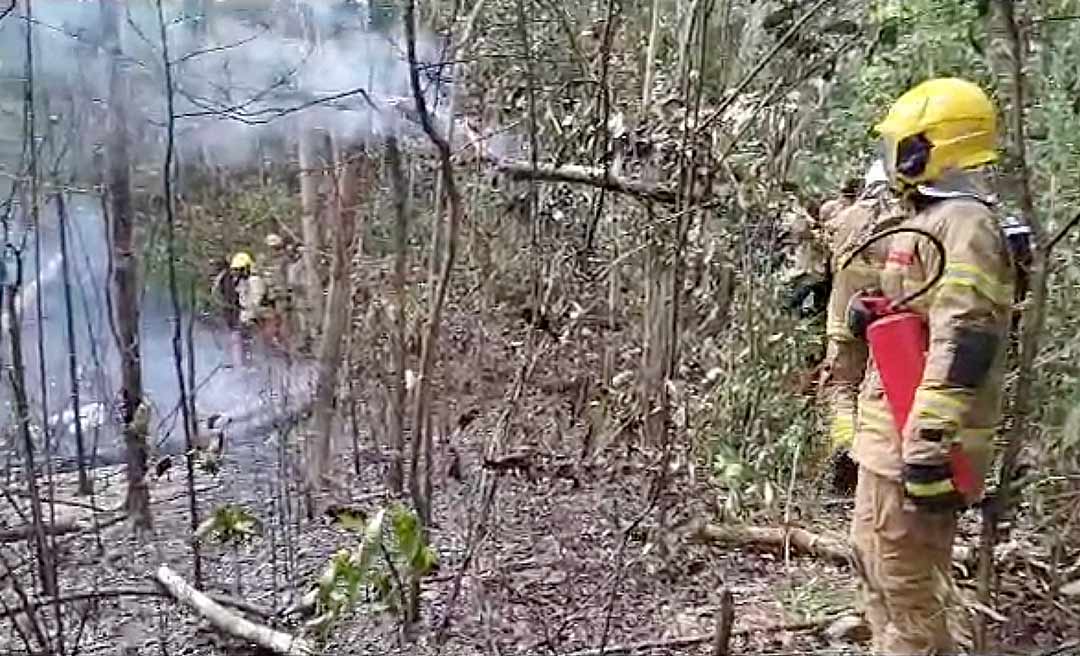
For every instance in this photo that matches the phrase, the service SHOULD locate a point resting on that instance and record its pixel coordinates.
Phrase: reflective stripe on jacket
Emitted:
(967, 313)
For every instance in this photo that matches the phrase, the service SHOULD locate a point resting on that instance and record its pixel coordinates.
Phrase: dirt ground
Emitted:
(546, 579)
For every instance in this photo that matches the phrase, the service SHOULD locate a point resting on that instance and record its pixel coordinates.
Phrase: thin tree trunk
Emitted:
(1007, 46)
(73, 358)
(654, 355)
(352, 164)
(17, 378)
(186, 406)
(313, 163)
(650, 58)
(431, 334)
(396, 473)
(134, 412)
(45, 550)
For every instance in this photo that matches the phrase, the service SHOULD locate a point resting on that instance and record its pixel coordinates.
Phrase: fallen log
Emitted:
(230, 623)
(800, 540)
(61, 527)
(777, 537)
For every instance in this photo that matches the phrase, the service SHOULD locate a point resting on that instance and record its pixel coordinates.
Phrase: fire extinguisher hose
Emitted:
(938, 246)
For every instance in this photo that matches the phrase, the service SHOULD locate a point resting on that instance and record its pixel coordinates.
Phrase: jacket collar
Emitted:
(973, 183)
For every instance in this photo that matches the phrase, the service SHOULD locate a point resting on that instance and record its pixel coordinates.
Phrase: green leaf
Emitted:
(427, 561)
(407, 531)
(352, 522)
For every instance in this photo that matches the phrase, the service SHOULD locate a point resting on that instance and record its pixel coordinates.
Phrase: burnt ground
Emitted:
(570, 559)
(546, 579)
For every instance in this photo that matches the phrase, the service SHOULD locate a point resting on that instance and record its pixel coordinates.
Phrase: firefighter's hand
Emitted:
(930, 488)
(859, 316)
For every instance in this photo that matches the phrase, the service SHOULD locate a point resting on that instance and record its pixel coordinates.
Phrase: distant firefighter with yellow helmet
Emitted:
(242, 295)
(936, 141)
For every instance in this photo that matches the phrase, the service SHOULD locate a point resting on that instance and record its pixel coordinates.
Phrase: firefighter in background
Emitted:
(278, 297)
(807, 285)
(243, 295)
(874, 209)
(938, 139)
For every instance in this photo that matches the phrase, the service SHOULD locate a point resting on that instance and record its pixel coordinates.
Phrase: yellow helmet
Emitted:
(241, 260)
(938, 125)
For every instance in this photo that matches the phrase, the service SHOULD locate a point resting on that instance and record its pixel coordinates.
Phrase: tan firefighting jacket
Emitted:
(814, 241)
(846, 356)
(252, 293)
(275, 276)
(967, 312)
(811, 255)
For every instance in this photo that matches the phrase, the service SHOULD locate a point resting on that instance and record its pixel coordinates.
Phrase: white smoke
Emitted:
(241, 75)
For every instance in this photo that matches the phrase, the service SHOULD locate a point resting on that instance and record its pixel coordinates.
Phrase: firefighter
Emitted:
(938, 140)
(845, 357)
(807, 284)
(249, 295)
(278, 300)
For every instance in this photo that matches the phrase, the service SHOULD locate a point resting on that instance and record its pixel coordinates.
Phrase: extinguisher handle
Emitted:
(938, 246)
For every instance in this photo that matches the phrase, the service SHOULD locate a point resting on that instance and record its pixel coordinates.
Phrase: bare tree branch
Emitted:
(761, 64)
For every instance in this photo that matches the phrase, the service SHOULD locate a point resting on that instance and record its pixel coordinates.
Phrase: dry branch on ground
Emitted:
(61, 527)
(228, 622)
(800, 540)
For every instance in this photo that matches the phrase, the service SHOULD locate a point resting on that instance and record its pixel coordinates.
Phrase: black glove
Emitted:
(930, 488)
(859, 315)
(804, 287)
(845, 472)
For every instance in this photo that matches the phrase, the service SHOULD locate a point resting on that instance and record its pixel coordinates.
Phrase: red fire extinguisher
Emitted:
(898, 339)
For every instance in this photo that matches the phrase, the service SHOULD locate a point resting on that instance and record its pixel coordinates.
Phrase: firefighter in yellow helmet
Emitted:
(242, 295)
(937, 140)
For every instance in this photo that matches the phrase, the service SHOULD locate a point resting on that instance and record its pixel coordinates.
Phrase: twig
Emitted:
(620, 570)
(589, 175)
(690, 641)
(722, 645)
(23, 532)
(1060, 234)
(477, 530)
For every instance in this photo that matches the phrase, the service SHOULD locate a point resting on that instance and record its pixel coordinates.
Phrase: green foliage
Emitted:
(753, 421)
(373, 572)
(229, 524)
(915, 41)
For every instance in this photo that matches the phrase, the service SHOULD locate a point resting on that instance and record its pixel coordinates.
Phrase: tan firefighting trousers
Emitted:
(905, 559)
